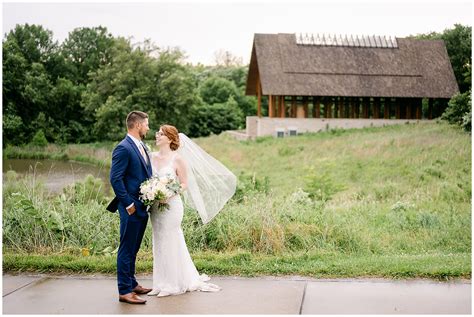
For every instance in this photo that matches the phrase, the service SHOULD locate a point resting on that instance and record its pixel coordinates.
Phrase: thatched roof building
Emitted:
(338, 72)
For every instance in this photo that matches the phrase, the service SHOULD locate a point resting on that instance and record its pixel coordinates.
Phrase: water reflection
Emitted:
(56, 174)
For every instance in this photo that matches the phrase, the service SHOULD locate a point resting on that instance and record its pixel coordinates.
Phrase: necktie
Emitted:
(142, 151)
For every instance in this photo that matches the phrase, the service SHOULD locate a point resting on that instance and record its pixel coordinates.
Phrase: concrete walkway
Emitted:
(97, 294)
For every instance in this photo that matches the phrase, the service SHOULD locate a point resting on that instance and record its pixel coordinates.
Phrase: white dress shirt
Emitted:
(139, 145)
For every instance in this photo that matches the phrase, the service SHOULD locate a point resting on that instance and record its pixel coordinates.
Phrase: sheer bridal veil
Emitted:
(210, 183)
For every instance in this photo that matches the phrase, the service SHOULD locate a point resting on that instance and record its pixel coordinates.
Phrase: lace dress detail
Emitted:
(174, 272)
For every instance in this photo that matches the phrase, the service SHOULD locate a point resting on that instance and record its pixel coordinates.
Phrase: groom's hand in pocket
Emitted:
(131, 210)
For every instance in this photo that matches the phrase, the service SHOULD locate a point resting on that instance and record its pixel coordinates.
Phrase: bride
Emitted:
(206, 185)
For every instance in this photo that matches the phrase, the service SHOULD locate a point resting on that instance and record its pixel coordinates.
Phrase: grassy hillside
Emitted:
(392, 201)
(398, 159)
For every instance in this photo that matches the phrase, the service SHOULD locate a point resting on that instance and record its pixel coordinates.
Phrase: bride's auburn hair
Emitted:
(172, 133)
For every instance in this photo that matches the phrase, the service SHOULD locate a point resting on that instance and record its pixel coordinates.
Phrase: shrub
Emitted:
(250, 184)
(466, 121)
(321, 187)
(459, 110)
(39, 139)
(207, 119)
(12, 129)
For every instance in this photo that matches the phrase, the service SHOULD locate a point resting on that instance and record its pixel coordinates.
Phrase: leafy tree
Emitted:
(219, 83)
(36, 91)
(35, 86)
(466, 122)
(34, 43)
(459, 110)
(161, 86)
(46, 124)
(82, 90)
(459, 46)
(13, 129)
(85, 50)
(27, 59)
(213, 119)
(39, 139)
(70, 120)
(236, 74)
(217, 90)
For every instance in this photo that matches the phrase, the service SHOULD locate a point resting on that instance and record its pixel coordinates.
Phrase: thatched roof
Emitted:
(416, 68)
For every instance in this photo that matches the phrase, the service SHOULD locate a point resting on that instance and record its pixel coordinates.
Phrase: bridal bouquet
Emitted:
(156, 190)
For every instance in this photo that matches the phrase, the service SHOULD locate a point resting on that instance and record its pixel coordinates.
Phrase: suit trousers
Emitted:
(132, 229)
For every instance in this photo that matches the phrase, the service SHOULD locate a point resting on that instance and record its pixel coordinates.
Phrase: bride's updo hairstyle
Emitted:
(172, 133)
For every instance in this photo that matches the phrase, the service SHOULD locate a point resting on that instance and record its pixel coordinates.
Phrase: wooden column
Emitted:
(408, 108)
(331, 106)
(430, 108)
(305, 106)
(348, 104)
(353, 101)
(325, 103)
(293, 106)
(300, 110)
(341, 107)
(345, 108)
(350, 101)
(316, 107)
(374, 110)
(376, 107)
(419, 103)
(357, 107)
(398, 102)
(328, 104)
(392, 107)
(277, 106)
(282, 107)
(270, 106)
(365, 107)
(386, 107)
(259, 98)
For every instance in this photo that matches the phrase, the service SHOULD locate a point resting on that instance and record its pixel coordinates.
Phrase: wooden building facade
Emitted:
(334, 77)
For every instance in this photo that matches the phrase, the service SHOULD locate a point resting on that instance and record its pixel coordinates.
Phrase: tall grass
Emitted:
(95, 153)
(382, 192)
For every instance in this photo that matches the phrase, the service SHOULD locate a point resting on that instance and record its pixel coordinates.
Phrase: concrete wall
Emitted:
(251, 126)
(267, 126)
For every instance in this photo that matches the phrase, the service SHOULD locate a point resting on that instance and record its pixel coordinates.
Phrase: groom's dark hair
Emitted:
(134, 117)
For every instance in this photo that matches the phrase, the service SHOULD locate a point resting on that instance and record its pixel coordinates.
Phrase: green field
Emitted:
(392, 201)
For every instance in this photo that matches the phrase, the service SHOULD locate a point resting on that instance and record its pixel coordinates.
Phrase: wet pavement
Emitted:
(97, 294)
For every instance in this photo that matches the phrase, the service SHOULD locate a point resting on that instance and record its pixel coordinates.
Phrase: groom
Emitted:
(130, 167)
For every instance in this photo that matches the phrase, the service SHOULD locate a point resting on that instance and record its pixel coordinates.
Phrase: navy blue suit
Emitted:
(128, 171)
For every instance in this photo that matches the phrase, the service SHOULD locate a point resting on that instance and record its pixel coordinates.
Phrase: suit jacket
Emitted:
(128, 171)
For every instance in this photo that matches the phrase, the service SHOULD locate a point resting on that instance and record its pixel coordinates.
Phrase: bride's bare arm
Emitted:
(181, 172)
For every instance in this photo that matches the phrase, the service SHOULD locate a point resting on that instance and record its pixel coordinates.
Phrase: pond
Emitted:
(56, 174)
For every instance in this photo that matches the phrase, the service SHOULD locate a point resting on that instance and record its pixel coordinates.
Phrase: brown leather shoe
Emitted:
(141, 290)
(131, 298)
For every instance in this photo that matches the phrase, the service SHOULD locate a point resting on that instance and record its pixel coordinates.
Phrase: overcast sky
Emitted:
(202, 28)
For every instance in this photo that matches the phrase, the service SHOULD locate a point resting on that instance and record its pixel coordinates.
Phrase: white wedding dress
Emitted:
(173, 269)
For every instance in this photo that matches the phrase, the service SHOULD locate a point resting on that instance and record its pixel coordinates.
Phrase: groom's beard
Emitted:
(142, 135)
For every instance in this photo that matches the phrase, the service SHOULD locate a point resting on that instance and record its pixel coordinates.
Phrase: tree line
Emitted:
(80, 90)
